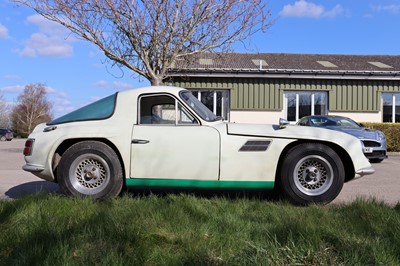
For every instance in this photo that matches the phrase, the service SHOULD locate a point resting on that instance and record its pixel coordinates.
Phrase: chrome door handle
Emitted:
(140, 141)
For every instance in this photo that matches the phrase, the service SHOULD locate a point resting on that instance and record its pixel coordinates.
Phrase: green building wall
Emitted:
(267, 93)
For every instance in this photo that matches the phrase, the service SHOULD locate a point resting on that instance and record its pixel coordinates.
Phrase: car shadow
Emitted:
(53, 188)
(32, 188)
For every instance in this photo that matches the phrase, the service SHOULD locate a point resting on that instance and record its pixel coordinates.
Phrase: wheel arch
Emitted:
(69, 142)
(345, 158)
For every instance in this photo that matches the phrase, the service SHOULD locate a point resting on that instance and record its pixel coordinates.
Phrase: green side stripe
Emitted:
(212, 184)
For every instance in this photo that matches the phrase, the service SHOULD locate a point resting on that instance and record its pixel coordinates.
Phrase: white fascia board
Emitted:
(312, 74)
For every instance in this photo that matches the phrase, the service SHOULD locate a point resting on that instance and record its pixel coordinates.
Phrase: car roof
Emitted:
(325, 116)
(152, 89)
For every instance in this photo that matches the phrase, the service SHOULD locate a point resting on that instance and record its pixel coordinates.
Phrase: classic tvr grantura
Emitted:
(165, 137)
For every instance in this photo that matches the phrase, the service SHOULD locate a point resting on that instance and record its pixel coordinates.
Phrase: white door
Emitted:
(175, 152)
(168, 142)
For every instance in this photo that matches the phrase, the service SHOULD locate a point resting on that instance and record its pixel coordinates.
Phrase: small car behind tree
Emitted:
(164, 137)
(6, 134)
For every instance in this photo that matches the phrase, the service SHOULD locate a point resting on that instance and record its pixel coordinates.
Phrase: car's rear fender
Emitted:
(69, 142)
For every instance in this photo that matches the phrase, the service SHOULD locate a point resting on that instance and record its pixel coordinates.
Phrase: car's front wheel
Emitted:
(312, 173)
(90, 169)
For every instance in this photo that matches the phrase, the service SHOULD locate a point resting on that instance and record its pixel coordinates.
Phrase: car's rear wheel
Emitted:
(90, 169)
(3, 138)
(312, 173)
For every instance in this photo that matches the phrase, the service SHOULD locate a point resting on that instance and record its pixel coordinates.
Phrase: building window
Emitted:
(299, 104)
(216, 100)
(391, 107)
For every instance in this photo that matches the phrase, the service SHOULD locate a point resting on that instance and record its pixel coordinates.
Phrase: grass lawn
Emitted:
(182, 229)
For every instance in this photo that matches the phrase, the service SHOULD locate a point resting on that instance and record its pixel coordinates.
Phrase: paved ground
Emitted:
(14, 182)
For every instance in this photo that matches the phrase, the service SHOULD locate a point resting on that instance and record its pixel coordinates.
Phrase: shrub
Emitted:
(391, 131)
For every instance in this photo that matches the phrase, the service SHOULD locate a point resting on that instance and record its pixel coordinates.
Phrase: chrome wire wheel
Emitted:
(313, 175)
(89, 174)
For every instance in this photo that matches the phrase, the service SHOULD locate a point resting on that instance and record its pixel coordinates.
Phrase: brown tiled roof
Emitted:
(294, 63)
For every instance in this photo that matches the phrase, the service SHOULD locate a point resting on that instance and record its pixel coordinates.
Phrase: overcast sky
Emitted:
(34, 50)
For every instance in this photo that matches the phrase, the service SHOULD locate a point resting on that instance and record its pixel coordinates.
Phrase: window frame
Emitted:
(395, 97)
(176, 110)
(297, 103)
(214, 104)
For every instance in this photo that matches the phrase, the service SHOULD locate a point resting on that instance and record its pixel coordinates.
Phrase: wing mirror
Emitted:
(283, 123)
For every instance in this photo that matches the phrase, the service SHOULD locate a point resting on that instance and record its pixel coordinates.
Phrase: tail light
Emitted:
(28, 147)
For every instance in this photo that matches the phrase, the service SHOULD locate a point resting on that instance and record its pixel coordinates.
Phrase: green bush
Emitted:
(391, 131)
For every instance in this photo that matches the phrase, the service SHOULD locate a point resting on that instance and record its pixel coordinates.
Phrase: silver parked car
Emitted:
(374, 141)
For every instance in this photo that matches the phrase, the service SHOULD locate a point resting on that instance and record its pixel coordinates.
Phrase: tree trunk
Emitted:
(156, 81)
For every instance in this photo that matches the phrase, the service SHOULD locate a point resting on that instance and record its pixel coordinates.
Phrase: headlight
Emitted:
(380, 135)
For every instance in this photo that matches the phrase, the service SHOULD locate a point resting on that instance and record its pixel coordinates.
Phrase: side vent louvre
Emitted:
(255, 145)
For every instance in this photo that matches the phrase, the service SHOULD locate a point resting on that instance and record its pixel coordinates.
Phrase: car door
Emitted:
(168, 142)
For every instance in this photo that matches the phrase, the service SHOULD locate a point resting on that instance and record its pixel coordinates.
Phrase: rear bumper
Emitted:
(33, 168)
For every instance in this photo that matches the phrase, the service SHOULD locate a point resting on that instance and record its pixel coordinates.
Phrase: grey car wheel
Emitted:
(89, 174)
(3, 138)
(90, 169)
(312, 173)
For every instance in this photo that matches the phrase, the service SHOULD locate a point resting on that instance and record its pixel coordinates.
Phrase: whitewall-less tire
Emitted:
(90, 169)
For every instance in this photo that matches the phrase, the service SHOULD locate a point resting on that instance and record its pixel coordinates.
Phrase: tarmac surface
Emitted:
(383, 185)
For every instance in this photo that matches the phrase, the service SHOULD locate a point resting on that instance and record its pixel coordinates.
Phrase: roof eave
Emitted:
(287, 73)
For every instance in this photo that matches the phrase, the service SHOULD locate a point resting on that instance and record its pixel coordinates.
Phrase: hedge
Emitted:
(391, 131)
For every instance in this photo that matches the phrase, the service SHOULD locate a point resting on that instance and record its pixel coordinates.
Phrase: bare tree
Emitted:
(148, 36)
(4, 114)
(31, 109)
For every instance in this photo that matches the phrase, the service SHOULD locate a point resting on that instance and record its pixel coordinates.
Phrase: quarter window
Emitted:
(101, 109)
(391, 107)
(299, 104)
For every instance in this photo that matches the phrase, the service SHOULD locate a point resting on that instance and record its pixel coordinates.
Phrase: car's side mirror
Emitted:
(283, 123)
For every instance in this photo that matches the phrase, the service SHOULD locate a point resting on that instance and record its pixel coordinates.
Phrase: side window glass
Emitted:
(184, 117)
(158, 109)
(161, 109)
(303, 122)
(163, 114)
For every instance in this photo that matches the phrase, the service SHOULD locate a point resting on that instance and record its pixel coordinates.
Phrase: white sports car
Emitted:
(164, 137)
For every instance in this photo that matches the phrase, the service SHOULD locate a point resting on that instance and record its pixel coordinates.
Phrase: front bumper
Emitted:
(364, 171)
(376, 154)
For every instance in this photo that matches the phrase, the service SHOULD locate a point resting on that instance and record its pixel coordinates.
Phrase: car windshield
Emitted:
(101, 109)
(334, 122)
(198, 107)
